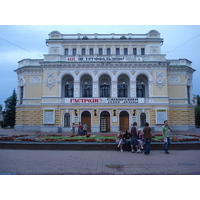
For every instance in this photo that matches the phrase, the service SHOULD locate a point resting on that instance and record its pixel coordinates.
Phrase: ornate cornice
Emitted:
(182, 69)
(106, 66)
(29, 69)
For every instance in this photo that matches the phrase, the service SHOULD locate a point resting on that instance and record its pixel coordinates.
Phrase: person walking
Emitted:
(165, 132)
(80, 128)
(84, 129)
(73, 128)
(147, 135)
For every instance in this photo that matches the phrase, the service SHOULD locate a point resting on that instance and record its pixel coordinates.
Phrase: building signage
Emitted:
(95, 59)
(105, 100)
(48, 117)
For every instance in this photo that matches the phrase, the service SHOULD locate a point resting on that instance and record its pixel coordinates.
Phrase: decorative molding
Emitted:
(54, 50)
(95, 72)
(154, 49)
(35, 79)
(50, 80)
(29, 70)
(174, 79)
(160, 79)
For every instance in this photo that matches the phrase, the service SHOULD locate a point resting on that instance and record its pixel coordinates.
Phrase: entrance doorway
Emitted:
(105, 121)
(86, 118)
(123, 121)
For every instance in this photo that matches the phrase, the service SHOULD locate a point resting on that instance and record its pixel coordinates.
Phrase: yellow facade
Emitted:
(108, 81)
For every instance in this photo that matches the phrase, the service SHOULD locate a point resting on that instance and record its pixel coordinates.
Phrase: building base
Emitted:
(95, 129)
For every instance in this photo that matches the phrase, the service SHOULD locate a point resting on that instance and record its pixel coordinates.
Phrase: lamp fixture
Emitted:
(75, 112)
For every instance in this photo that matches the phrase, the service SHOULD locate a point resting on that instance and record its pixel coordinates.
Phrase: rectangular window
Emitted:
(100, 51)
(117, 51)
(83, 51)
(108, 51)
(74, 51)
(125, 51)
(66, 52)
(21, 94)
(135, 51)
(91, 51)
(142, 51)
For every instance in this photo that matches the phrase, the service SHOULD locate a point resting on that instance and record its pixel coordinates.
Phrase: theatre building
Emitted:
(107, 81)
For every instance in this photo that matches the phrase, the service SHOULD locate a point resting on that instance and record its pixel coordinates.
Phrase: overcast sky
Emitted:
(28, 41)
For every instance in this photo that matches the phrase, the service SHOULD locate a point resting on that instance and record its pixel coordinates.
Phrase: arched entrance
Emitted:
(105, 121)
(123, 121)
(86, 118)
(142, 119)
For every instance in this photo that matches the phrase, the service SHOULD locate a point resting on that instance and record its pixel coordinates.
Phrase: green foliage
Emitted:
(11, 110)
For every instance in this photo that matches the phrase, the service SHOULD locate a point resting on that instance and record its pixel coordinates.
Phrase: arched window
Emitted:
(67, 120)
(123, 86)
(104, 84)
(141, 90)
(86, 85)
(142, 86)
(68, 86)
(142, 119)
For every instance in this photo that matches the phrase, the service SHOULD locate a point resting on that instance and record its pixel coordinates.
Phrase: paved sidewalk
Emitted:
(50, 162)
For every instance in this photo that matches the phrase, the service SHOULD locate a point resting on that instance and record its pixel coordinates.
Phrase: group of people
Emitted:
(135, 139)
(82, 129)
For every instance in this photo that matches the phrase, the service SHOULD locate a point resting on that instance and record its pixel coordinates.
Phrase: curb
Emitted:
(90, 146)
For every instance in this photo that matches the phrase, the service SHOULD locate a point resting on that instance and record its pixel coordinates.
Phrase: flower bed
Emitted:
(176, 138)
(104, 138)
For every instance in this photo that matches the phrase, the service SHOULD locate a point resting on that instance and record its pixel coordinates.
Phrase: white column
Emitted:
(133, 89)
(95, 89)
(104, 50)
(114, 89)
(77, 89)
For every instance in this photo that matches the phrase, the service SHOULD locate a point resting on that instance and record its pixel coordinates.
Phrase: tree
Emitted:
(10, 110)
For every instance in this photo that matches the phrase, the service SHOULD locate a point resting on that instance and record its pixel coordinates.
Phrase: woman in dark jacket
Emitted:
(127, 139)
